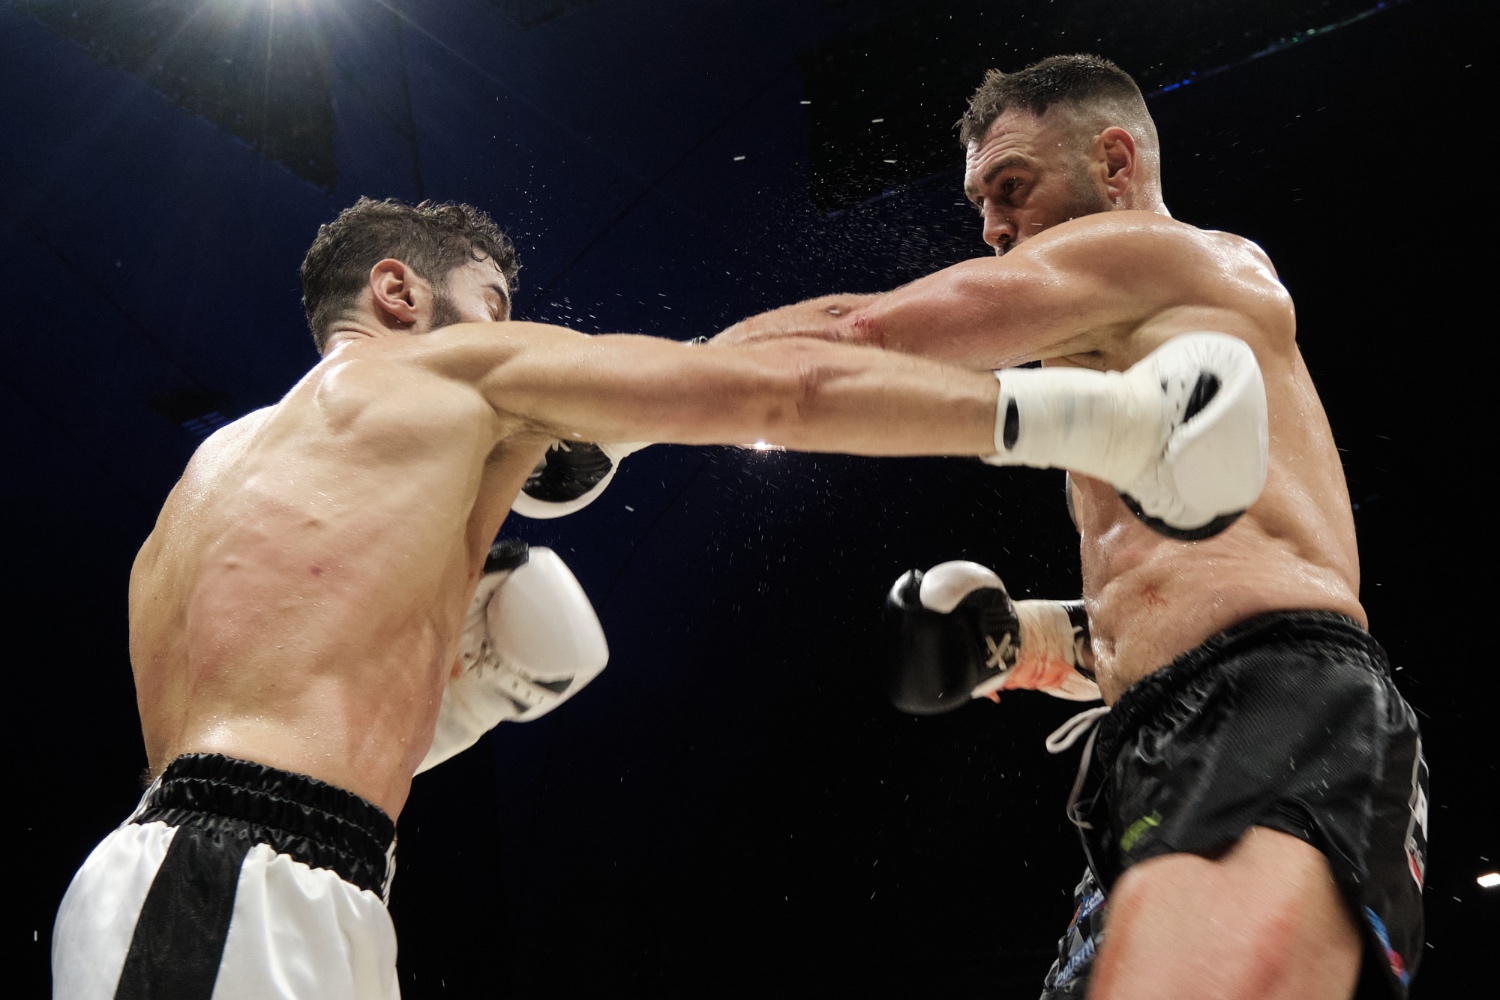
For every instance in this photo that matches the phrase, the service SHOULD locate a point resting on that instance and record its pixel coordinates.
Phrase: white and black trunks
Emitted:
(233, 881)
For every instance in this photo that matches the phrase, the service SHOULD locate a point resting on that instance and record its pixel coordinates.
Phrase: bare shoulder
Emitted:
(1172, 267)
(468, 351)
(224, 445)
(1127, 240)
(378, 386)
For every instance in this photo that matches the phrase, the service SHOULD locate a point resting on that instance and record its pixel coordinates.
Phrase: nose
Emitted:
(999, 229)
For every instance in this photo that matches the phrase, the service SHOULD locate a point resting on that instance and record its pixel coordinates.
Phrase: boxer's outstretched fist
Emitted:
(953, 634)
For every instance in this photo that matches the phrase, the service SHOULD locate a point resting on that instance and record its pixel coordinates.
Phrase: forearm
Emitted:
(798, 393)
(824, 318)
(863, 401)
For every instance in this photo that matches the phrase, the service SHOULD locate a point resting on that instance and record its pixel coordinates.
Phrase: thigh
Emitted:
(1263, 921)
(302, 932)
(97, 919)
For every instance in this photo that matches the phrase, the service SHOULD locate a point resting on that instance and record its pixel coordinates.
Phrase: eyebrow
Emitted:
(1005, 163)
(499, 290)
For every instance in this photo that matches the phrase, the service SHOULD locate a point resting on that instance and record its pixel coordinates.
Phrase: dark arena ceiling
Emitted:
(731, 809)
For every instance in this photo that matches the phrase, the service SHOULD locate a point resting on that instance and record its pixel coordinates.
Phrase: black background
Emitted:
(730, 809)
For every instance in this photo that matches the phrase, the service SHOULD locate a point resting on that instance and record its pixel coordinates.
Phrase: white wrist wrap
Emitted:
(1046, 631)
(1102, 424)
(1048, 634)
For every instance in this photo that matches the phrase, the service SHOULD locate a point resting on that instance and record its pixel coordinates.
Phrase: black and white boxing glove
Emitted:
(1182, 434)
(954, 634)
(573, 473)
(570, 477)
(530, 642)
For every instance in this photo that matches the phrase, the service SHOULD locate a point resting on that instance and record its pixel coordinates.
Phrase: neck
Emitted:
(352, 327)
(1144, 199)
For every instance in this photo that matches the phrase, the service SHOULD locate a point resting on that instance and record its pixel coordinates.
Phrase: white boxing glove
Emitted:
(1182, 434)
(531, 640)
(570, 477)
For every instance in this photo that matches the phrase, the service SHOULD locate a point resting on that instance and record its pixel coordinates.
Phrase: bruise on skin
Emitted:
(866, 329)
(316, 570)
(1152, 596)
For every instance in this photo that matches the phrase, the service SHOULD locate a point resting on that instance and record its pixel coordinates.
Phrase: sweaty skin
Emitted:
(299, 601)
(1091, 271)
(1101, 291)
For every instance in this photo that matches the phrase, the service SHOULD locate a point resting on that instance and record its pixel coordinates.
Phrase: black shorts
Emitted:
(1287, 721)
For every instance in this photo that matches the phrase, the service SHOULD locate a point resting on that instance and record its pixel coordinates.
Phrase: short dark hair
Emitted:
(1078, 80)
(432, 238)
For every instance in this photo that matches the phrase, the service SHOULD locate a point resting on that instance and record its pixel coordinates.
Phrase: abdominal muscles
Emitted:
(1152, 598)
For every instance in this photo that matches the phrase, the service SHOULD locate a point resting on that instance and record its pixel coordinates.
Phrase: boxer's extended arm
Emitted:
(800, 394)
(1065, 292)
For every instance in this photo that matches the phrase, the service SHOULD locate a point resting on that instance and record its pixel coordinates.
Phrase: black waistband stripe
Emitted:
(321, 825)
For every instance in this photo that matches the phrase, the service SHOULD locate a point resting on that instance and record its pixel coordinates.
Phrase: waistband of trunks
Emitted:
(1152, 694)
(311, 821)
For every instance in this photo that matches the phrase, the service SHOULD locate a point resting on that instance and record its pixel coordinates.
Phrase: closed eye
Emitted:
(501, 309)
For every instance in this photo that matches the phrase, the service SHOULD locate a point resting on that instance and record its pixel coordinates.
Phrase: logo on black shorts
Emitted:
(1416, 827)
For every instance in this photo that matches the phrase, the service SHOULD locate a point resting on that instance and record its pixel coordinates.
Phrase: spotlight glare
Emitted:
(1490, 879)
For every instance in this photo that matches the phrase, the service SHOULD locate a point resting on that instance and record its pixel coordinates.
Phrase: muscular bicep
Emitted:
(1072, 290)
(986, 314)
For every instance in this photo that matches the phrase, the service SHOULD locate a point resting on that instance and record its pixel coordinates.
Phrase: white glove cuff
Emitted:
(616, 452)
(1102, 424)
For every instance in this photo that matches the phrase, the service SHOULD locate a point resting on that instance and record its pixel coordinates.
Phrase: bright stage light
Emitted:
(1490, 879)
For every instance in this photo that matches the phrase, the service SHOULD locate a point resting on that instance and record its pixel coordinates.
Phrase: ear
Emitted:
(1115, 163)
(398, 291)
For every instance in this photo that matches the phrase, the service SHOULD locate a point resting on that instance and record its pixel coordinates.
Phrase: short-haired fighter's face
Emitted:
(475, 292)
(1028, 174)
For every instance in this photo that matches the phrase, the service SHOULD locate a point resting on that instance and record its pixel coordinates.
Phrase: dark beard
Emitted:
(1085, 198)
(444, 312)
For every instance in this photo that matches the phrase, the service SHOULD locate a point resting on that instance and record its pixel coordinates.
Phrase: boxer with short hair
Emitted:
(1255, 812)
(319, 613)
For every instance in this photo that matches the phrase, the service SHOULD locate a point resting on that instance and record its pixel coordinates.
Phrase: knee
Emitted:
(1264, 921)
